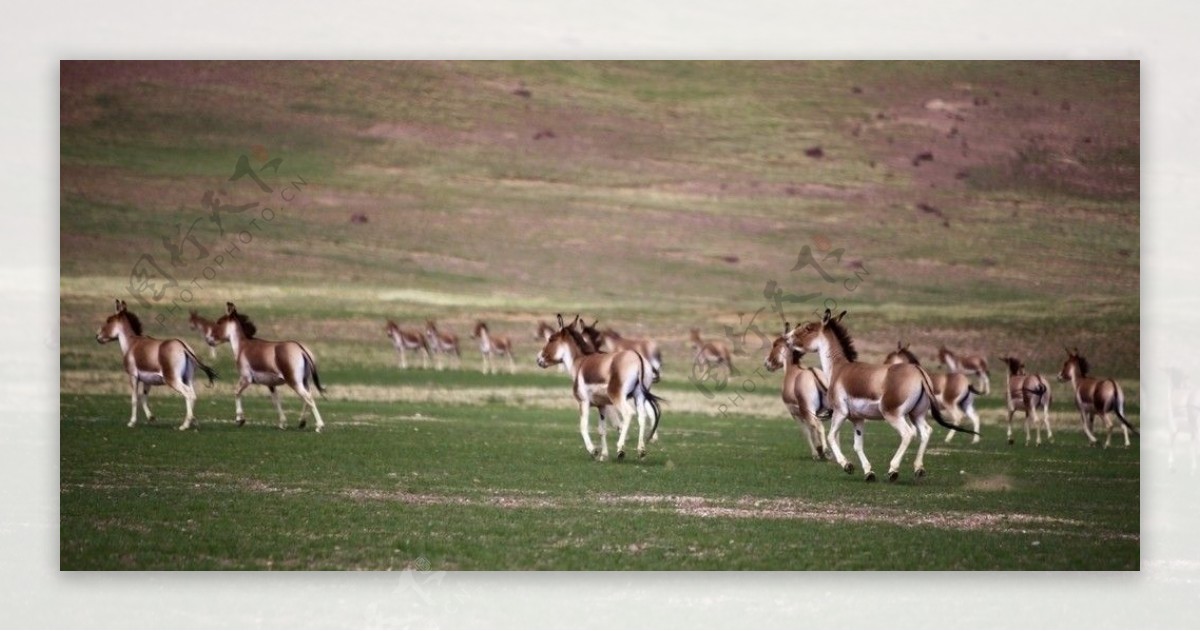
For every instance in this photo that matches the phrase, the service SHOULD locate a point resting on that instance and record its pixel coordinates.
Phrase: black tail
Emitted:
(650, 397)
(927, 391)
(208, 372)
(1121, 409)
(312, 365)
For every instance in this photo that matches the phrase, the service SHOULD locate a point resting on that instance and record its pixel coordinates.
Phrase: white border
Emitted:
(37, 35)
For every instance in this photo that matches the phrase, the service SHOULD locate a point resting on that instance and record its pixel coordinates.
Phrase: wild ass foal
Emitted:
(408, 340)
(1094, 396)
(974, 365)
(899, 393)
(442, 342)
(803, 394)
(954, 390)
(606, 381)
(151, 362)
(270, 364)
(490, 345)
(1028, 393)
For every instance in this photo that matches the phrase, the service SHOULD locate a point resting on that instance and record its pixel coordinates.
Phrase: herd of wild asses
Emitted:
(616, 375)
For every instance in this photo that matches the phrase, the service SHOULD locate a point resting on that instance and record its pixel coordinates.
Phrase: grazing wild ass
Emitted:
(408, 340)
(803, 392)
(1094, 396)
(442, 342)
(203, 326)
(954, 390)
(973, 365)
(270, 364)
(606, 381)
(1027, 393)
(899, 394)
(490, 345)
(150, 362)
(709, 354)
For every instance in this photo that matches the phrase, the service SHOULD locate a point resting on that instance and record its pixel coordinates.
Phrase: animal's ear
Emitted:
(786, 327)
(825, 318)
(120, 307)
(594, 323)
(230, 309)
(899, 345)
(560, 322)
(840, 316)
(1076, 353)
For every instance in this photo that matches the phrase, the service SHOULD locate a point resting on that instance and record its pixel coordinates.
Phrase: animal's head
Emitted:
(479, 328)
(806, 338)
(391, 328)
(901, 356)
(230, 325)
(592, 335)
(1075, 365)
(779, 354)
(121, 322)
(561, 344)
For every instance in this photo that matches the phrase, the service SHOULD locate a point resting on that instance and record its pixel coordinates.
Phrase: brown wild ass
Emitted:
(803, 392)
(270, 364)
(408, 340)
(1027, 393)
(1094, 396)
(490, 345)
(973, 365)
(442, 342)
(203, 326)
(606, 381)
(709, 354)
(899, 394)
(544, 331)
(151, 362)
(954, 390)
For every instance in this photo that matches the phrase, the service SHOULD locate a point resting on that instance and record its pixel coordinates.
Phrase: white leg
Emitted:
(1087, 427)
(133, 397)
(242, 384)
(924, 431)
(583, 429)
(859, 428)
(802, 421)
(146, 403)
(900, 424)
(834, 425)
(308, 400)
(974, 416)
(403, 359)
(626, 415)
(1011, 412)
(1108, 426)
(1046, 421)
(483, 363)
(640, 404)
(1028, 412)
(189, 398)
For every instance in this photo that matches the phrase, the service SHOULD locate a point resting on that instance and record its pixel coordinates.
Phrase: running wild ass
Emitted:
(973, 365)
(1028, 393)
(803, 393)
(269, 364)
(606, 381)
(1094, 396)
(709, 354)
(900, 394)
(954, 391)
(609, 341)
(151, 362)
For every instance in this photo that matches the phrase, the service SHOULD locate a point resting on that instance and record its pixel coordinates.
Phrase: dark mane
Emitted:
(1083, 365)
(248, 328)
(796, 355)
(134, 322)
(585, 346)
(908, 355)
(844, 339)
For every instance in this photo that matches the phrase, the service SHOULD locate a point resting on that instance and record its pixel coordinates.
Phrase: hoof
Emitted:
(621, 454)
(920, 473)
(182, 428)
(1011, 441)
(595, 452)
(241, 422)
(848, 467)
(319, 428)
(302, 424)
(893, 476)
(131, 424)
(870, 476)
(641, 454)
(150, 421)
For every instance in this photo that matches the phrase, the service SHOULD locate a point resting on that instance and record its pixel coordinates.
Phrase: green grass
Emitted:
(493, 487)
(669, 195)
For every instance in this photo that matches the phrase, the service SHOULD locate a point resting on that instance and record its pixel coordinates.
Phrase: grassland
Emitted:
(656, 197)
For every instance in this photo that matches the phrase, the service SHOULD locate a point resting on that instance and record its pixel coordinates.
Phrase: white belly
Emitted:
(863, 408)
(266, 378)
(152, 378)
